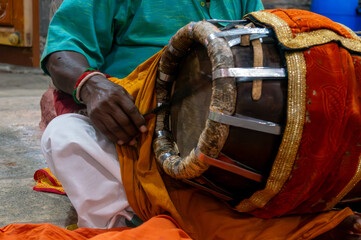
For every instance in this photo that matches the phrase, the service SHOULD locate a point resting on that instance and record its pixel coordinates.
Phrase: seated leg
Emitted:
(86, 163)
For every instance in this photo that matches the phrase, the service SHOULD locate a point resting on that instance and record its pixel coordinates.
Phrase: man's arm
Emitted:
(109, 106)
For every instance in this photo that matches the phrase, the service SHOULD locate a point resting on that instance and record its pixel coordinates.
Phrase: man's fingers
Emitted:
(112, 110)
(102, 127)
(116, 124)
(134, 115)
(123, 129)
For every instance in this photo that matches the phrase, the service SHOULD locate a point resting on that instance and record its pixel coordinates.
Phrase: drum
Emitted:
(227, 91)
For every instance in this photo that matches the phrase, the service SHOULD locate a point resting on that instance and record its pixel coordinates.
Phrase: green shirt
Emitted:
(118, 35)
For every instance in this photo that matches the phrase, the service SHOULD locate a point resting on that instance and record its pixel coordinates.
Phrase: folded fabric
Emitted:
(46, 182)
(160, 227)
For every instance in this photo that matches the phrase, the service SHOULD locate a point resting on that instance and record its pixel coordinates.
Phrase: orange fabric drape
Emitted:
(305, 21)
(160, 227)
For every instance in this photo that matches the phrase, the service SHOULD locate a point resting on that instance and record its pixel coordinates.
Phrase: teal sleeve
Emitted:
(251, 6)
(84, 26)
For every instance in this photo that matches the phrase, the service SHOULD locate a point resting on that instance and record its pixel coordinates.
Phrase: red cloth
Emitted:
(46, 182)
(329, 153)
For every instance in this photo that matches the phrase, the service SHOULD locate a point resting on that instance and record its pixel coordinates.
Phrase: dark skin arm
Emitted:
(110, 107)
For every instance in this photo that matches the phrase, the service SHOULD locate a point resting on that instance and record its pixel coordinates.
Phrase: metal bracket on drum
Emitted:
(249, 74)
(163, 133)
(175, 51)
(237, 40)
(226, 21)
(237, 32)
(166, 155)
(165, 77)
(246, 122)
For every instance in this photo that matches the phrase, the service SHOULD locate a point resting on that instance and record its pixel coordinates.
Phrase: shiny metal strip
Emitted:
(246, 122)
(166, 155)
(237, 40)
(175, 51)
(234, 42)
(258, 36)
(248, 74)
(190, 29)
(225, 21)
(165, 77)
(238, 32)
(163, 133)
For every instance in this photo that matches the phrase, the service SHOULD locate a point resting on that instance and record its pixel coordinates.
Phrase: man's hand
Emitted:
(112, 110)
(110, 106)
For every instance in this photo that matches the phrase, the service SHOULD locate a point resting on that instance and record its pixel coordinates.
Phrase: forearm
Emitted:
(65, 67)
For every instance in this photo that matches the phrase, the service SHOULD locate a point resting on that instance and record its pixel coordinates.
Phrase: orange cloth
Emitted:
(46, 182)
(305, 21)
(160, 227)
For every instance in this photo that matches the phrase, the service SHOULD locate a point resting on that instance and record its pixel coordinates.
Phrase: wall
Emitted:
(47, 9)
(298, 4)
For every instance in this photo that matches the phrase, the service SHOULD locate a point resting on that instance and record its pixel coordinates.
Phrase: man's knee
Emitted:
(65, 130)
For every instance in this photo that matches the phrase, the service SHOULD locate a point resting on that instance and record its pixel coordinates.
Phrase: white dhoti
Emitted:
(86, 163)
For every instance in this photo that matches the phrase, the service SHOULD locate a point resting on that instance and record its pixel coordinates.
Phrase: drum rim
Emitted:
(165, 149)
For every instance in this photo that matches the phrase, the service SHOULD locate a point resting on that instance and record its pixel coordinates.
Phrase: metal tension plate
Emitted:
(238, 32)
(246, 122)
(237, 40)
(226, 21)
(249, 74)
(165, 77)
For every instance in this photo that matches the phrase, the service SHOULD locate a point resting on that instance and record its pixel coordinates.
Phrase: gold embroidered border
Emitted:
(286, 156)
(356, 178)
(305, 39)
(352, 33)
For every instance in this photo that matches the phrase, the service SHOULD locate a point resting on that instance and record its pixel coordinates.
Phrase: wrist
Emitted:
(83, 80)
(91, 88)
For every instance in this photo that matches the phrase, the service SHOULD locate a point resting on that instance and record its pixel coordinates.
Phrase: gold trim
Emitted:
(356, 178)
(352, 33)
(284, 162)
(306, 39)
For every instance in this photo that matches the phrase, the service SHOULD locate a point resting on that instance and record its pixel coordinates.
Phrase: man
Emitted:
(114, 37)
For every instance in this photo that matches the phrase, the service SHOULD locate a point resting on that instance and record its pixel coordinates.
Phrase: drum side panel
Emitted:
(252, 148)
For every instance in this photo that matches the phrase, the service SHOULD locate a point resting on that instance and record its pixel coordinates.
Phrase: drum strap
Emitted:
(257, 59)
(257, 62)
(245, 39)
(229, 164)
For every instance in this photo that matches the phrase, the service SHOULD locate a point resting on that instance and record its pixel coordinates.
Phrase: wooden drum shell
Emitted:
(251, 149)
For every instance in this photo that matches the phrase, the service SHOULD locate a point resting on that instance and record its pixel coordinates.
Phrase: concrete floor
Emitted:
(20, 155)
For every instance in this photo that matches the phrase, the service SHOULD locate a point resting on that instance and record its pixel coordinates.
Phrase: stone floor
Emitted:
(20, 155)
